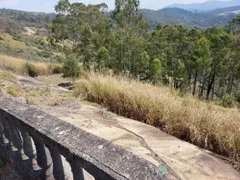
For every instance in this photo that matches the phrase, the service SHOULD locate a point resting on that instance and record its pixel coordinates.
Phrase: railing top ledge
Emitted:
(91, 152)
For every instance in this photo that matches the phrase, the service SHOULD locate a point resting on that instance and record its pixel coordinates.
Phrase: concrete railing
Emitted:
(41, 146)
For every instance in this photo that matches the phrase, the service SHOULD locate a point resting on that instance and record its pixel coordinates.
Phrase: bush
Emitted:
(71, 67)
(45, 54)
(17, 37)
(55, 68)
(237, 96)
(228, 101)
(14, 91)
(59, 59)
(31, 70)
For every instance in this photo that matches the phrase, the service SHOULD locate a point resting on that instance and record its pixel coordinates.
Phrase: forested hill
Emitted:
(19, 19)
(202, 20)
(220, 17)
(207, 5)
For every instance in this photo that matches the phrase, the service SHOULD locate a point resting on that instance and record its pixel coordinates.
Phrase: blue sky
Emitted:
(48, 5)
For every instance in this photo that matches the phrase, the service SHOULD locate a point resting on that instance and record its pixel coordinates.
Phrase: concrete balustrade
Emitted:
(41, 146)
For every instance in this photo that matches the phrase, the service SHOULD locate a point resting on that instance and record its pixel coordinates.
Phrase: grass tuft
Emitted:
(7, 76)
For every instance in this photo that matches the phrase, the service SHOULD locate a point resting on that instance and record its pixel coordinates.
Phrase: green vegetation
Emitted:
(15, 20)
(34, 48)
(202, 63)
(7, 76)
(31, 70)
(228, 101)
(23, 34)
(201, 20)
(71, 67)
(15, 91)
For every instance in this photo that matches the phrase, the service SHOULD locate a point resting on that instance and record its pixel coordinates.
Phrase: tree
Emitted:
(233, 63)
(142, 66)
(155, 71)
(103, 58)
(71, 67)
(202, 61)
(129, 36)
(173, 55)
(78, 29)
(219, 39)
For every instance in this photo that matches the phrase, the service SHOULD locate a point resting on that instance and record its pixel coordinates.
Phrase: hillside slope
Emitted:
(202, 20)
(20, 19)
(207, 5)
(17, 20)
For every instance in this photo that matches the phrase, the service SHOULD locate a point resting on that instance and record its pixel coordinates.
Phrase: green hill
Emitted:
(19, 19)
(202, 20)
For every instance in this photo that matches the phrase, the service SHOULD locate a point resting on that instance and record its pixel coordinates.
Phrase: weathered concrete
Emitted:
(184, 159)
(99, 157)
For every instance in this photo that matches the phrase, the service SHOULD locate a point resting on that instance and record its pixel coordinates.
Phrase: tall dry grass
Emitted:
(203, 124)
(19, 65)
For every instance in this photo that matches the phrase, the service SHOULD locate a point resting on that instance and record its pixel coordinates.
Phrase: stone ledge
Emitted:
(98, 156)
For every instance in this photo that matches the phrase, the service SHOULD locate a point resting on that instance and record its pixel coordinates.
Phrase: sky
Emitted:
(48, 5)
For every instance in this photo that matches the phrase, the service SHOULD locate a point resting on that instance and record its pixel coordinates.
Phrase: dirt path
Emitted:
(173, 156)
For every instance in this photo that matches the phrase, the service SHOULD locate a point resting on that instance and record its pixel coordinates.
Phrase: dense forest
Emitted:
(204, 63)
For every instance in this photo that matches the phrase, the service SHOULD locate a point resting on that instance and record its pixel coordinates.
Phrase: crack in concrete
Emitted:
(153, 154)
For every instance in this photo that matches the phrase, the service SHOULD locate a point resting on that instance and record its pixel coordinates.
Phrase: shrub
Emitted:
(14, 91)
(31, 70)
(45, 54)
(59, 59)
(17, 38)
(228, 101)
(71, 67)
(55, 68)
(237, 96)
(4, 75)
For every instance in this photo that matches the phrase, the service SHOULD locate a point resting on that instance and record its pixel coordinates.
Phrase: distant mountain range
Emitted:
(206, 6)
(202, 20)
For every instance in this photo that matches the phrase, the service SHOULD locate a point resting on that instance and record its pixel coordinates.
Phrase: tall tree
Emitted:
(79, 29)
(202, 61)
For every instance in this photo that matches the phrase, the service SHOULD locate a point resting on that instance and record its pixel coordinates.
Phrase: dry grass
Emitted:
(203, 124)
(19, 65)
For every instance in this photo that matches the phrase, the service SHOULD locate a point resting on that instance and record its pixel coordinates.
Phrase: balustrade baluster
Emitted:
(6, 139)
(61, 168)
(13, 136)
(44, 160)
(30, 151)
(77, 171)
(3, 139)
